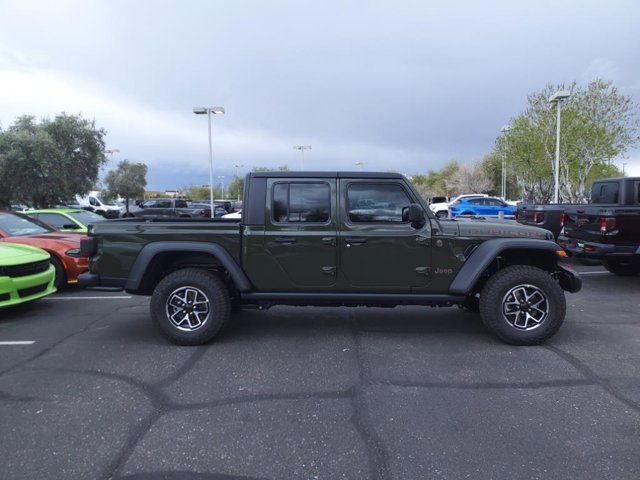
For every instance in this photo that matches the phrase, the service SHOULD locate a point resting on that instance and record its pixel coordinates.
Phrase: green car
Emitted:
(26, 274)
(66, 219)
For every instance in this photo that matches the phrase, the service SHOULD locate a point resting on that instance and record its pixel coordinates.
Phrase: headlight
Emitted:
(74, 252)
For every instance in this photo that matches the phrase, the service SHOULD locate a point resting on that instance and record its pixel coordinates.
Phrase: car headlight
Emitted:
(74, 252)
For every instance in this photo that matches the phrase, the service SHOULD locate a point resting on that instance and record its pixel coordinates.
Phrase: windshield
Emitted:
(21, 225)
(85, 218)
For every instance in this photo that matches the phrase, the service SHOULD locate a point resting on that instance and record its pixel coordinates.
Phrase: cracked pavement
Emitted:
(410, 392)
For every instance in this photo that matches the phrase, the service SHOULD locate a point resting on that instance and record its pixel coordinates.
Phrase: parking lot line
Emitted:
(18, 342)
(108, 297)
(594, 273)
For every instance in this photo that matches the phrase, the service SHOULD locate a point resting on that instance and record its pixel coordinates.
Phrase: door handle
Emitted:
(422, 240)
(286, 240)
(331, 271)
(354, 241)
(329, 241)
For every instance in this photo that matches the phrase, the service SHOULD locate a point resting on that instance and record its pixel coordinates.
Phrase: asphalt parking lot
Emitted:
(309, 393)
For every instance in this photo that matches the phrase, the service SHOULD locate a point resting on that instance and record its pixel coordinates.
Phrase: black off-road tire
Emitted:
(172, 288)
(60, 281)
(621, 269)
(495, 293)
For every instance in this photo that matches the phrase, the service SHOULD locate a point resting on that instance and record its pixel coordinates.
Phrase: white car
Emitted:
(237, 215)
(442, 209)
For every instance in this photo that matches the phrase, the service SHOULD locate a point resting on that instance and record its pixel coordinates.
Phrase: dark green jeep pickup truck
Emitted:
(332, 238)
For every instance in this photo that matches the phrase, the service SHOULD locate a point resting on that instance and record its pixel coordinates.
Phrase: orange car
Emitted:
(63, 247)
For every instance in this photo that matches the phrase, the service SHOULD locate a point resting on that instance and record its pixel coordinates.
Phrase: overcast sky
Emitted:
(399, 85)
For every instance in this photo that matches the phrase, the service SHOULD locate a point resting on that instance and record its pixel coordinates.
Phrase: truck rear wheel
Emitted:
(191, 306)
(621, 269)
(522, 305)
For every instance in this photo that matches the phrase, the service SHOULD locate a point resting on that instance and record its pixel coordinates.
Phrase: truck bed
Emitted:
(585, 222)
(120, 241)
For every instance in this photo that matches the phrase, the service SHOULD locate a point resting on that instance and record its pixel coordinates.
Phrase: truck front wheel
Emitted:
(190, 306)
(522, 305)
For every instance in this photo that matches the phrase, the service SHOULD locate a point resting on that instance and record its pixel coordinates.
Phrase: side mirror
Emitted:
(414, 214)
(70, 226)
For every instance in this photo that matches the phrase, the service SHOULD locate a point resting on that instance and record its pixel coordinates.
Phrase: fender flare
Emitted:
(150, 250)
(486, 252)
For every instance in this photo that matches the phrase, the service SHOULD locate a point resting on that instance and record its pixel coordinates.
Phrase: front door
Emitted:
(301, 233)
(378, 251)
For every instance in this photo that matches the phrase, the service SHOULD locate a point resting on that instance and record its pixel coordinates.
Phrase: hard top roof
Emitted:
(278, 174)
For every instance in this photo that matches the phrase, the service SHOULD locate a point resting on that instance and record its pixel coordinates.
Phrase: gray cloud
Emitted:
(405, 86)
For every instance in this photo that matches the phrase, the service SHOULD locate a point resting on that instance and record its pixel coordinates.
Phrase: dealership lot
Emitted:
(410, 392)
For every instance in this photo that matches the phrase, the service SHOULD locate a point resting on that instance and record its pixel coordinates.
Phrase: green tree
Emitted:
(128, 181)
(281, 168)
(235, 188)
(47, 162)
(599, 123)
(202, 193)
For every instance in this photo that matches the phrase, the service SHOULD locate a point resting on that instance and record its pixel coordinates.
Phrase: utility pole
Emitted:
(557, 98)
(505, 130)
(209, 111)
(221, 178)
(302, 148)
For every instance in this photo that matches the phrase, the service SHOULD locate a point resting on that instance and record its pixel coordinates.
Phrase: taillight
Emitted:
(563, 218)
(538, 217)
(607, 224)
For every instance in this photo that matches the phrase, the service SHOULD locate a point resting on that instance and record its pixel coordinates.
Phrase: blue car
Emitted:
(482, 206)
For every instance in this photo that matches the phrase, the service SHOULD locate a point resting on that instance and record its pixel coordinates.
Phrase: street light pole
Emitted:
(504, 130)
(623, 169)
(302, 148)
(557, 99)
(238, 167)
(221, 178)
(209, 111)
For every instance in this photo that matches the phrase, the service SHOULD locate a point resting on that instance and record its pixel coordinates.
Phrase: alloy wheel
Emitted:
(525, 307)
(188, 308)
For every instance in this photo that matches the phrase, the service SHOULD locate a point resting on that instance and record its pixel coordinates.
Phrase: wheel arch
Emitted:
(497, 253)
(157, 259)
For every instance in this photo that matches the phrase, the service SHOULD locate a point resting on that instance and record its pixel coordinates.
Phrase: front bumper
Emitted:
(16, 290)
(581, 248)
(570, 280)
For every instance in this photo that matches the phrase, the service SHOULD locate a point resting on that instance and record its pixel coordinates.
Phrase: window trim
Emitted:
(395, 182)
(277, 223)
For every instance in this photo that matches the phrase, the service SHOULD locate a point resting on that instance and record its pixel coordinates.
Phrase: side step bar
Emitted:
(350, 299)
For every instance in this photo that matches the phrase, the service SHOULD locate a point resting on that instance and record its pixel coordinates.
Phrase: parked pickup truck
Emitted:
(608, 228)
(168, 207)
(332, 238)
(548, 217)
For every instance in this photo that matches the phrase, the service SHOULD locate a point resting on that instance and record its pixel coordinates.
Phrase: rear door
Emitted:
(378, 251)
(301, 232)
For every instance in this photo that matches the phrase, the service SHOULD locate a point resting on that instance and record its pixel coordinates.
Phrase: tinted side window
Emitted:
(476, 201)
(149, 204)
(54, 219)
(382, 202)
(605, 193)
(163, 204)
(301, 202)
(181, 204)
